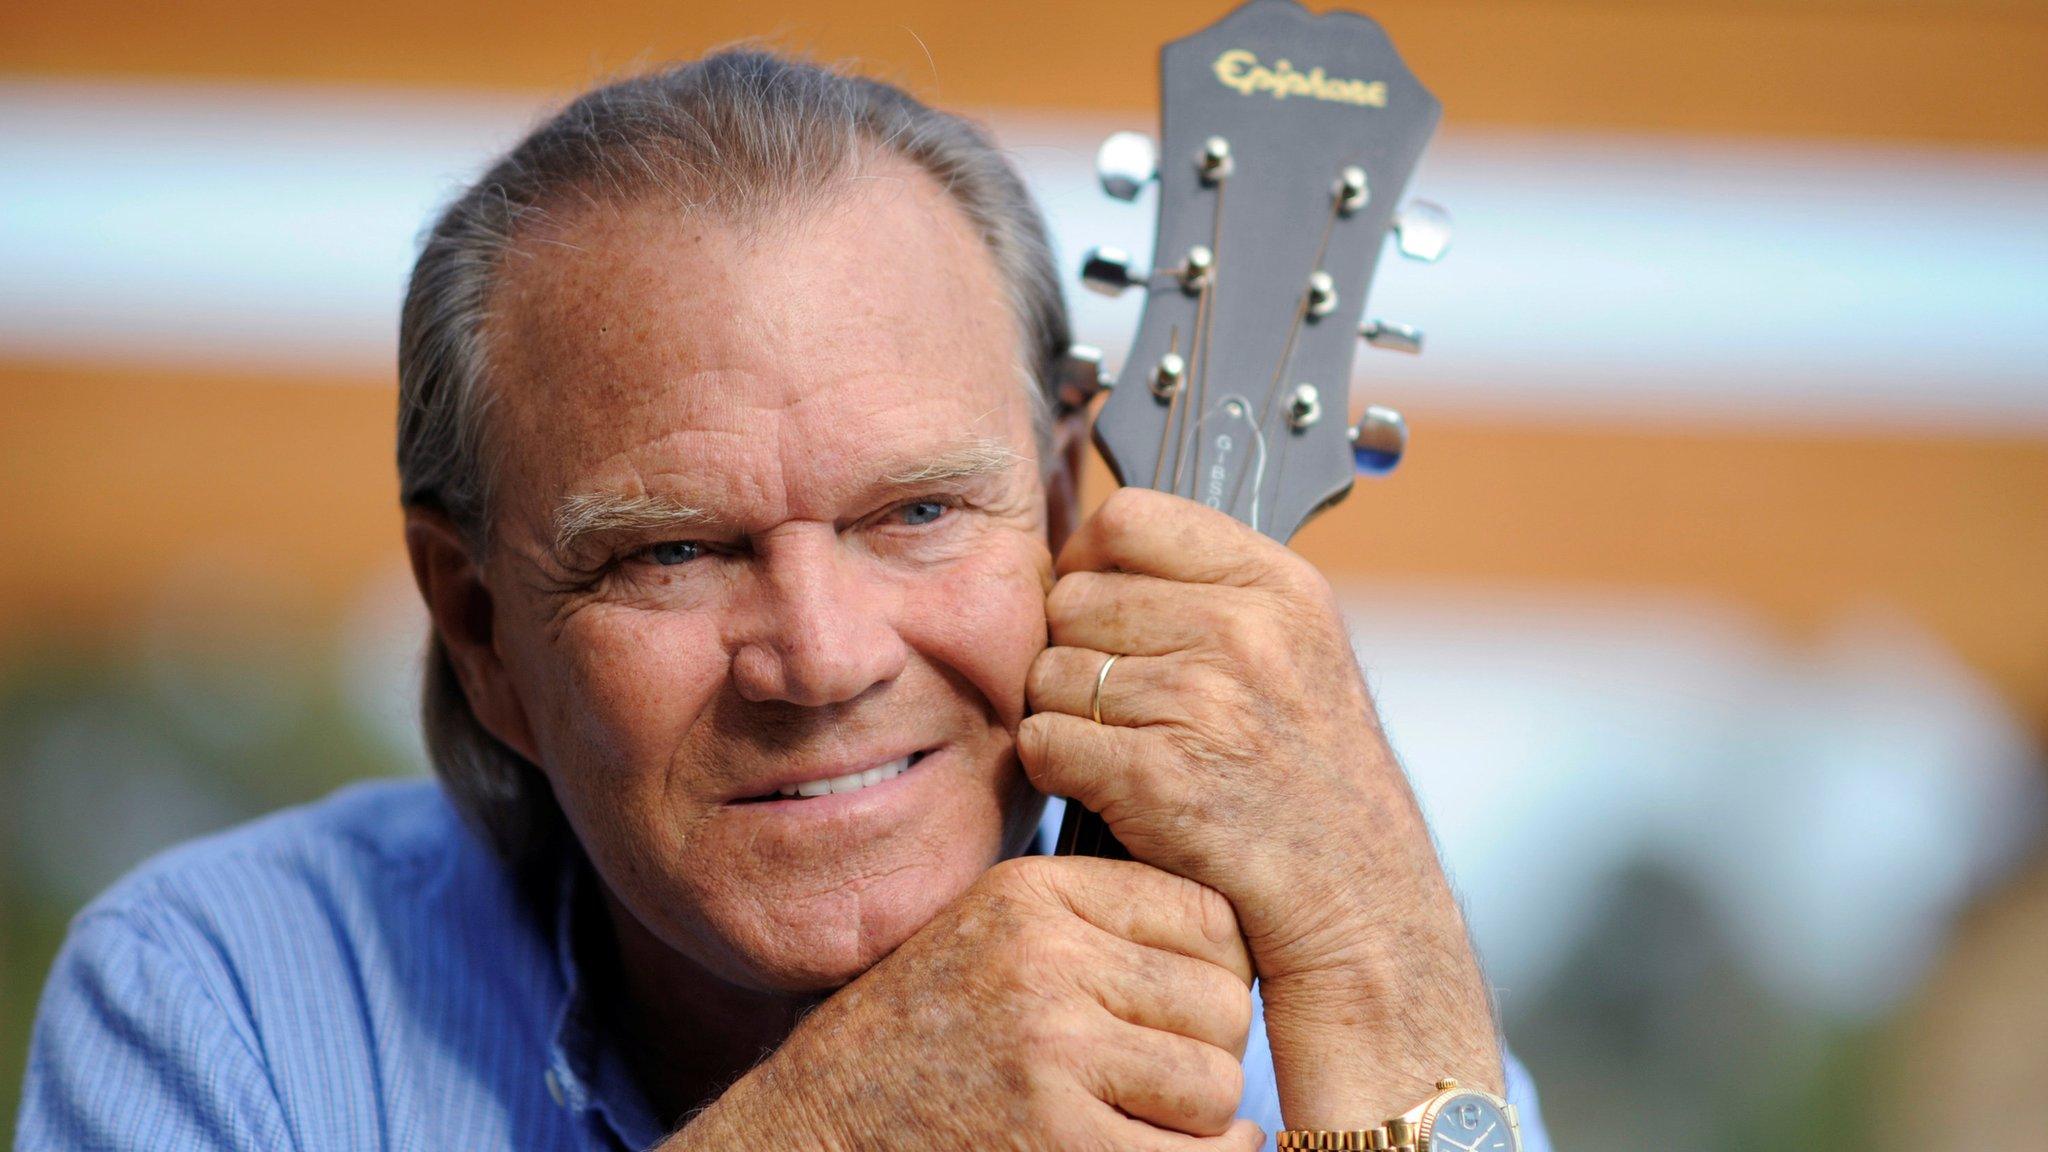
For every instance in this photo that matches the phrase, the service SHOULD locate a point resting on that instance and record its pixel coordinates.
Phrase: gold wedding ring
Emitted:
(1095, 701)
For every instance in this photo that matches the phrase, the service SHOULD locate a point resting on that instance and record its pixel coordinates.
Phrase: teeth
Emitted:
(851, 782)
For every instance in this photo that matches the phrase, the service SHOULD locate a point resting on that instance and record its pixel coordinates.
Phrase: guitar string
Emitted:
(1096, 830)
(1287, 350)
(1198, 367)
(1205, 324)
(1166, 426)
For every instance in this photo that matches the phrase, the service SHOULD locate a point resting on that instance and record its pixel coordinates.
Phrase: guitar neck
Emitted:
(1287, 139)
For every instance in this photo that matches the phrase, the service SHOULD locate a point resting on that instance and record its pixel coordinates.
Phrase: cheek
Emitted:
(986, 621)
(622, 688)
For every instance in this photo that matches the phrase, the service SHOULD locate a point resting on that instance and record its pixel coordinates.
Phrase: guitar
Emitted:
(1288, 139)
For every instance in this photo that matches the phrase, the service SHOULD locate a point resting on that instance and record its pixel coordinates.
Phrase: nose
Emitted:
(818, 628)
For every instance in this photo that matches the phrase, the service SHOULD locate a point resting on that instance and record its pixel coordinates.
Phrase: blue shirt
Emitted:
(361, 973)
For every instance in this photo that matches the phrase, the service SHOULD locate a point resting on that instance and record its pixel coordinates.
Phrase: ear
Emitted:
(1063, 479)
(451, 581)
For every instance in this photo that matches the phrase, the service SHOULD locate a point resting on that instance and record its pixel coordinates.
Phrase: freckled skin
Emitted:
(769, 375)
(774, 378)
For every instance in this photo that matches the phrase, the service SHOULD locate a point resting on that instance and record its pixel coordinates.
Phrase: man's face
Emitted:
(770, 514)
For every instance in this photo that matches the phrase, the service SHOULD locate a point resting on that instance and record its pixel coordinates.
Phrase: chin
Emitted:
(815, 944)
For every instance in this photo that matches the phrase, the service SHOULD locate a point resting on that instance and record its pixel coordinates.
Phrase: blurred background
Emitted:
(1710, 611)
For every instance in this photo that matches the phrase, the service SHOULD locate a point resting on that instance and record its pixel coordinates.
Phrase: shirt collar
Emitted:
(587, 1072)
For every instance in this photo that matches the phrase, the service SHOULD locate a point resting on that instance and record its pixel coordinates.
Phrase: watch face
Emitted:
(1469, 1122)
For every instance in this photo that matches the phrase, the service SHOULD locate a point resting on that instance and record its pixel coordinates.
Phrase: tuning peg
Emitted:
(1304, 406)
(1393, 337)
(1379, 440)
(1126, 162)
(1214, 162)
(1081, 377)
(1352, 191)
(1108, 271)
(1422, 230)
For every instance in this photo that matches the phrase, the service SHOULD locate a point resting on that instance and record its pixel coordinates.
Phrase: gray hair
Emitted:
(738, 135)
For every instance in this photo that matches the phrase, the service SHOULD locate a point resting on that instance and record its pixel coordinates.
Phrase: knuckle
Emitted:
(1235, 1001)
(1029, 878)
(1038, 744)
(1250, 637)
(1220, 1084)
(1210, 912)
(1069, 596)
(1121, 508)
(1043, 677)
(1289, 572)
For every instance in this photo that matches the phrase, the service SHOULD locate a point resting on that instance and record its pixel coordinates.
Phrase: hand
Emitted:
(1238, 746)
(1059, 1004)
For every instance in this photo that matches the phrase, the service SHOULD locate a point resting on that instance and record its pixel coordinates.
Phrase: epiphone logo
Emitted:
(1239, 69)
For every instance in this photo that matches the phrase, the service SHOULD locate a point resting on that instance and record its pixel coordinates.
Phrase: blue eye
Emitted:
(670, 552)
(923, 512)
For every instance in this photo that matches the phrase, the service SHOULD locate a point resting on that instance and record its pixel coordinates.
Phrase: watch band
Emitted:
(1405, 1133)
(1378, 1139)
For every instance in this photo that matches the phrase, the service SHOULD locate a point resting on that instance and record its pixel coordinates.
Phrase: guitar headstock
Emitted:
(1288, 141)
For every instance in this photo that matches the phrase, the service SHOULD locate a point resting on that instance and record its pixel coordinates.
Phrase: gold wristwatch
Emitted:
(1454, 1120)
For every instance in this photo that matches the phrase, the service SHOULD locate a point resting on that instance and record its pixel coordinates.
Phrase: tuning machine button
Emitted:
(1322, 295)
(1214, 161)
(1126, 162)
(1352, 192)
(1422, 230)
(1393, 337)
(1081, 377)
(1196, 269)
(1304, 406)
(1108, 271)
(1378, 441)
(1168, 374)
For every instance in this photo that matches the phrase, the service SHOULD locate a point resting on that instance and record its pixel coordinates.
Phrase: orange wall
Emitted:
(1948, 70)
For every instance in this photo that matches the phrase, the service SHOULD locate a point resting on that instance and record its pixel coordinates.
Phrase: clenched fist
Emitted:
(1234, 742)
(1064, 1005)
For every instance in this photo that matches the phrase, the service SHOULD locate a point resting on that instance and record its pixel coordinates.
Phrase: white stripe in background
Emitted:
(261, 228)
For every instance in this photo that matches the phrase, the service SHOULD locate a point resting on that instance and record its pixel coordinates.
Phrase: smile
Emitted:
(850, 782)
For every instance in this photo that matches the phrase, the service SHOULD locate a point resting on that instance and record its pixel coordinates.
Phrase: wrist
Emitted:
(1351, 912)
(1356, 1044)
(766, 1100)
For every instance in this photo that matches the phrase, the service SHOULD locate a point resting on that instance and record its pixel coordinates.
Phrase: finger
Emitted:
(1157, 534)
(1136, 614)
(1105, 767)
(1168, 992)
(1097, 1125)
(1166, 1080)
(1146, 906)
(1241, 1136)
(1137, 690)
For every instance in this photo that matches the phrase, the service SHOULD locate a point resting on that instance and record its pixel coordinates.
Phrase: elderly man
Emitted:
(743, 519)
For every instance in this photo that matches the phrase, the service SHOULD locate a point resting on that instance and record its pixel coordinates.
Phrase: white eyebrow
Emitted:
(983, 457)
(588, 513)
(591, 512)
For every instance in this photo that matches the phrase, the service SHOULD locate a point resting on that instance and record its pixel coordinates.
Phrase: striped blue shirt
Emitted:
(361, 973)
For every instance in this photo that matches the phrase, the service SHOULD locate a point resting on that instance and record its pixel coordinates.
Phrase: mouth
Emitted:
(839, 785)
